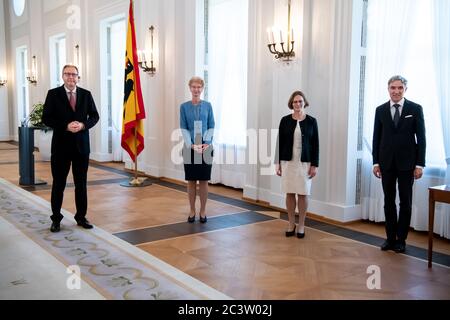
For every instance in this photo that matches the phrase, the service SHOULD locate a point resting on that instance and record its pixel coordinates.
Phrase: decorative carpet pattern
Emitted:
(114, 268)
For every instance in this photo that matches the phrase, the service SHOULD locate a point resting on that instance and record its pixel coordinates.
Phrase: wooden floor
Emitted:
(242, 250)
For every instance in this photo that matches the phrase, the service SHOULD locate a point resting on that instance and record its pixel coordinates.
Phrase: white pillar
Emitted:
(4, 113)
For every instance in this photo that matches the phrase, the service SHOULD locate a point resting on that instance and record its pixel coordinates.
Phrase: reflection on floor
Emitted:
(242, 250)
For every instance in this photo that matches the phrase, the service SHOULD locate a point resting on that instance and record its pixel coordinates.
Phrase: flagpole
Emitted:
(133, 122)
(135, 157)
(136, 182)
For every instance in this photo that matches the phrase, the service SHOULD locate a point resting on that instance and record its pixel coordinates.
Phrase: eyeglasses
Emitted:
(70, 74)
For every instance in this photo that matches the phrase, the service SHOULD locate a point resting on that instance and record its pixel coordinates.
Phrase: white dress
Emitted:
(294, 173)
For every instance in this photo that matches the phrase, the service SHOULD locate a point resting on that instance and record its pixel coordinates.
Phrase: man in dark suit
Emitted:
(70, 111)
(398, 157)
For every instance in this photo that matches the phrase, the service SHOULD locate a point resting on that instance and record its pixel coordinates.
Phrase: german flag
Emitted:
(133, 105)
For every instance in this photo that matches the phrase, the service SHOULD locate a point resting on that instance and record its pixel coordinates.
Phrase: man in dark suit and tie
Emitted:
(398, 157)
(70, 111)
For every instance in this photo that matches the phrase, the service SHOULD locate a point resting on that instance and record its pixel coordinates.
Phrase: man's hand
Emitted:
(418, 172)
(75, 126)
(377, 171)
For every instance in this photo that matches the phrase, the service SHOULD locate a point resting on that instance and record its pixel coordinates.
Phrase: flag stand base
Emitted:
(138, 182)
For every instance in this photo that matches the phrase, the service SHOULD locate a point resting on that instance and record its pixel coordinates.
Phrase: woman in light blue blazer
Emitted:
(197, 126)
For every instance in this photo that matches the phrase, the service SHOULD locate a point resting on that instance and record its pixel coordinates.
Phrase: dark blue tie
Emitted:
(396, 115)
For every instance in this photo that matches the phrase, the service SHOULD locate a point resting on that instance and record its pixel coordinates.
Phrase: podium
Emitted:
(26, 157)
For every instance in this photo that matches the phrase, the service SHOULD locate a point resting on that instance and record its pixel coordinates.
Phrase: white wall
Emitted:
(325, 68)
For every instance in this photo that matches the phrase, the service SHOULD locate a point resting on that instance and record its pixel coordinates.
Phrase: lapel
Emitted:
(387, 114)
(78, 102)
(405, 112)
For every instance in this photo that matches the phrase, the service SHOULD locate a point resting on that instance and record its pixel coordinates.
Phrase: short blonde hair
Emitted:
(196, 80)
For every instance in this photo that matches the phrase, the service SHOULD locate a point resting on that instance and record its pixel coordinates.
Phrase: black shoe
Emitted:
(400, 247)
(291, 233)
(85, 224)
(300, 235)
(203, 219)
(387, 245)
(191, 219)
(56, 227)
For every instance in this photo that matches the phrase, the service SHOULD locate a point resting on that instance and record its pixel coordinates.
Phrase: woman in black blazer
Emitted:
(297, 159)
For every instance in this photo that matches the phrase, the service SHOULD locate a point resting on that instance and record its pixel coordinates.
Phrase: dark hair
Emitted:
(293, 95)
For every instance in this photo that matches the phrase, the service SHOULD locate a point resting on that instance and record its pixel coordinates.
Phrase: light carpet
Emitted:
(110, 267)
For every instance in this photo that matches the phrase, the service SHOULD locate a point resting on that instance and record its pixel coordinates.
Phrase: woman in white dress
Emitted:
(297, 160)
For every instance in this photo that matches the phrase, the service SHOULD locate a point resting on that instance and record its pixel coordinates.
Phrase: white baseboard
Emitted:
(5, 138)
(101, 157)
(327, 210)
(250, 192)
(173, 174)
(335, 212)
(152, 171)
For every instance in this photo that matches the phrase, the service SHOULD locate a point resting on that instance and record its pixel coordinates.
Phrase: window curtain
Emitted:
(392, 35)
(441, 50)
(227, 87)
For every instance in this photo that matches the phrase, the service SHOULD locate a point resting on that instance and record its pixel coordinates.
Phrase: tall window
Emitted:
(22, 83)
(57, 52)
(223, 32)
(225, 65)
(113, 59)
(400, 37)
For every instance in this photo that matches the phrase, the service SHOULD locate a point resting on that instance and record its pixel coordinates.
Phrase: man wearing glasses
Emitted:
(70, 111)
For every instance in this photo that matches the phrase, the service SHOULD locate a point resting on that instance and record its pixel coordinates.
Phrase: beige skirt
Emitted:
(294, 177)
(294, 173)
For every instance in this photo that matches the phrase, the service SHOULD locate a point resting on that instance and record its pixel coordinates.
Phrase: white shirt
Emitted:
(400, 109)
(69, 91)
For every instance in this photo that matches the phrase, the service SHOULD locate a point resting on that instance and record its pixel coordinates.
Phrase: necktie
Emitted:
(72, 100)
(396, 115)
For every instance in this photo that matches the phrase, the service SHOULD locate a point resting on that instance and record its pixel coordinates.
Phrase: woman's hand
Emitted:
(197, 148)
(278, 169)
(203, 147)
(312, 172)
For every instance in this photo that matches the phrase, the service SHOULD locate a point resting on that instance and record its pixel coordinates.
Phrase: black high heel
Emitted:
(191, 219)
(301, 235)
(203, 219)
(291, 233)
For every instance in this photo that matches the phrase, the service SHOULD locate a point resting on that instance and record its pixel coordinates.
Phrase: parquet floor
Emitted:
(242, 253)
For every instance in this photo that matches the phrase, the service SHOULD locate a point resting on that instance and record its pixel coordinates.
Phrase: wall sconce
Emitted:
(77, 56)
(32, 74)
(3, 81)
(287, 53)
(143, 60)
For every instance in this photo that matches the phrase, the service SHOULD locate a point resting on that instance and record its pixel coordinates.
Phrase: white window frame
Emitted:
(58, 58)
(22, 90)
